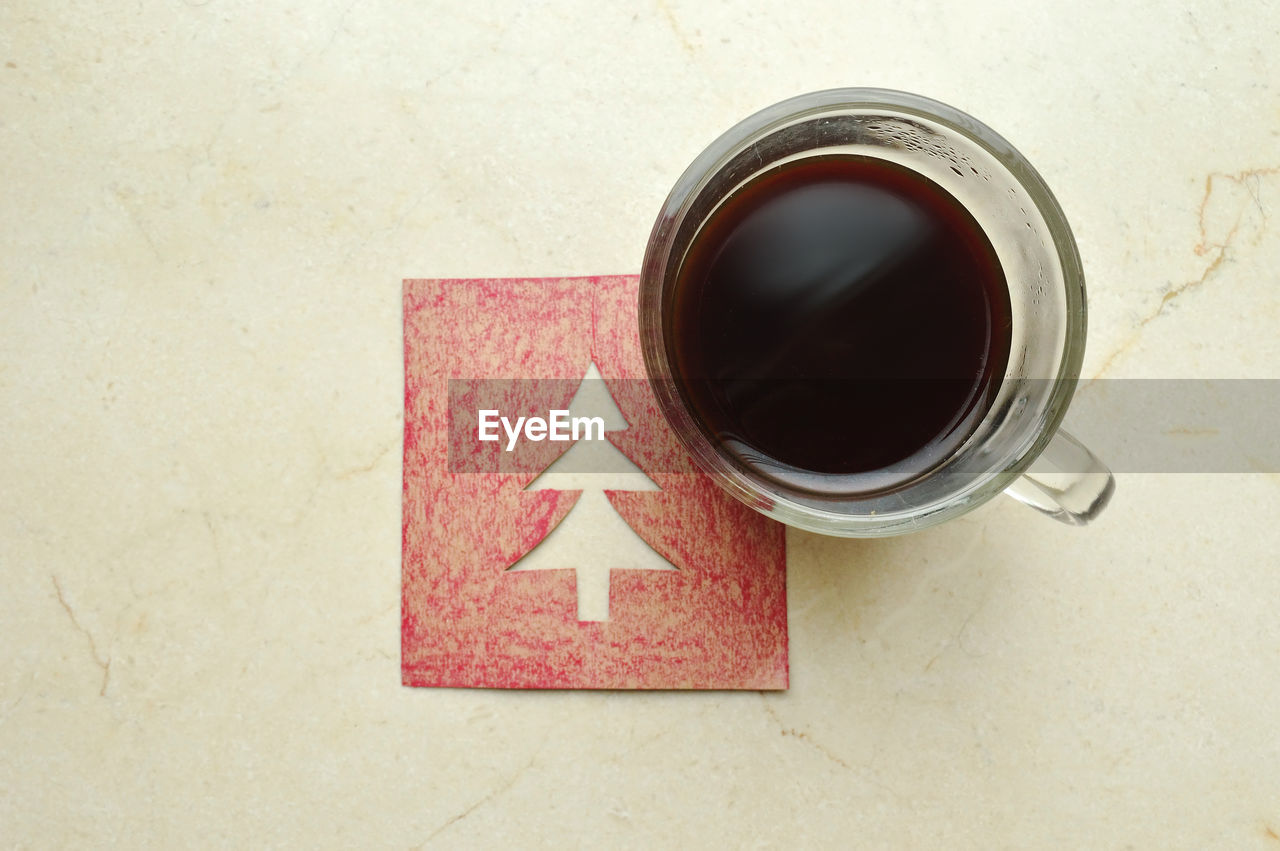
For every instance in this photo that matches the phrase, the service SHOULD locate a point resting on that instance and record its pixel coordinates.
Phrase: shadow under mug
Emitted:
(1036, 250)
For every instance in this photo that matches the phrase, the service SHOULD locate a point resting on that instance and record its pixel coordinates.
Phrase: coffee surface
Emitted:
(840, 317)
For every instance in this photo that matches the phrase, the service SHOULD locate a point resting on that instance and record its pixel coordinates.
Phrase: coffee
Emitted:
(839, 324)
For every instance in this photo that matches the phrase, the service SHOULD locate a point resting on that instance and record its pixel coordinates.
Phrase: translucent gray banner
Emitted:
(1134, 425)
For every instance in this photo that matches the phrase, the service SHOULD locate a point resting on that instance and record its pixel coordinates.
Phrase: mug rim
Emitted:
(653, 280)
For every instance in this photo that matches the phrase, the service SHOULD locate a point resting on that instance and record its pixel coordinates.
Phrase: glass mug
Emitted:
(1041, 265)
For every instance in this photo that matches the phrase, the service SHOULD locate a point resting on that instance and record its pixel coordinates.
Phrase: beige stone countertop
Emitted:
(208, 208)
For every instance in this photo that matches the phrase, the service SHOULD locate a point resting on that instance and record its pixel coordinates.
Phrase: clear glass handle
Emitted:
(1067, 482)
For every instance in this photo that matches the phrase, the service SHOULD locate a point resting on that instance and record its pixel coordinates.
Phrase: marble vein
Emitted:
(493, 793)
(1219, 250)
(104, 664)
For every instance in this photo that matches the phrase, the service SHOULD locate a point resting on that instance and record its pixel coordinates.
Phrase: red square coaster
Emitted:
(653, 578)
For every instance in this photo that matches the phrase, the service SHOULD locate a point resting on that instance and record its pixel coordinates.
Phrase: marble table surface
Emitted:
(208, 210)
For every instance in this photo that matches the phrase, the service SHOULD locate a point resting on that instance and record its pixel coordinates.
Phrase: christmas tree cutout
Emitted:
(593, 540)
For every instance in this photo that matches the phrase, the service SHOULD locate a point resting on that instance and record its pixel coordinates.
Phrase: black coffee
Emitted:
(841, 324)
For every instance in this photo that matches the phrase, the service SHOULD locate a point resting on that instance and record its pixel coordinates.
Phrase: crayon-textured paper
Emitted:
(710, 610)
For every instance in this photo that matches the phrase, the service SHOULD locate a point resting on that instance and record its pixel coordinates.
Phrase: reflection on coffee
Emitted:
(840, 317)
